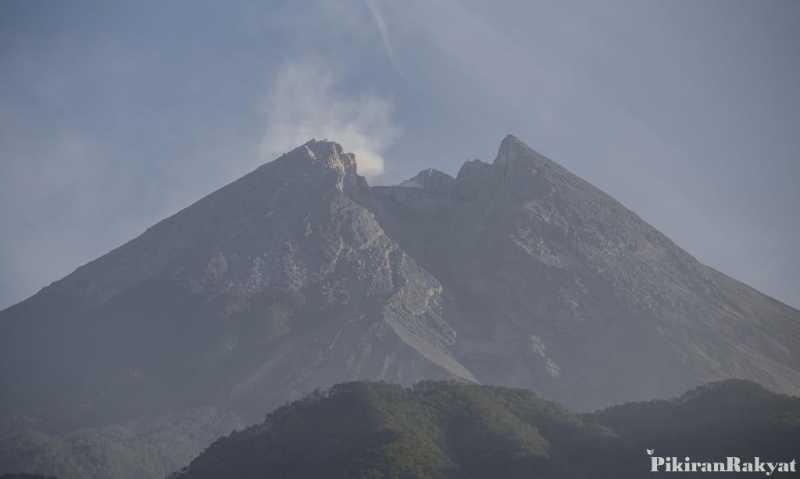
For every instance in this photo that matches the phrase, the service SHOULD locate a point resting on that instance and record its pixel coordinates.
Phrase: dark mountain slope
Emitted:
(558, 287)
(273, 285)
(277, 284)
(445, 430)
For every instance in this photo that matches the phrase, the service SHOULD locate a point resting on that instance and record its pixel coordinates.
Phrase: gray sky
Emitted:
(115, 115)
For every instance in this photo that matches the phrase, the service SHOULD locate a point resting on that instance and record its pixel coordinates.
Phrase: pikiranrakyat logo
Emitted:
(728, 464)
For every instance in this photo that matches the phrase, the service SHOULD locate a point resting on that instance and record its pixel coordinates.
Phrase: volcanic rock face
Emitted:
(274, 285)
(299, 275)
(559, 288)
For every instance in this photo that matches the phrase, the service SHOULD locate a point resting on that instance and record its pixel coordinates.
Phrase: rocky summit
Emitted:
(555, 286)
(300, 275)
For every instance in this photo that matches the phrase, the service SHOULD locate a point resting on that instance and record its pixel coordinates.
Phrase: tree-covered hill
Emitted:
(450, 430)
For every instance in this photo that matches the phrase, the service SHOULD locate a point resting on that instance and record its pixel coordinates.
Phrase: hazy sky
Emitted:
(114, 115)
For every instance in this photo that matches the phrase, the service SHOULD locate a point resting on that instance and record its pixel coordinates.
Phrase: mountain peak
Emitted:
(324, 155)
(299, 275)
(511, 139)
(321, 150)
(432, 180)
(514, 151)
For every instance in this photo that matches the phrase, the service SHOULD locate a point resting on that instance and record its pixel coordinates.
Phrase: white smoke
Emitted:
(304, 103)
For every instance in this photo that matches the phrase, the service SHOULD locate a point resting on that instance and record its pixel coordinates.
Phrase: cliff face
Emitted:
(300, 275)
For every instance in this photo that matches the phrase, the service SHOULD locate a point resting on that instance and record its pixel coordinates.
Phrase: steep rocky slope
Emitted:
(274, 285)
(300, 275)
(277, 284)
(558, 287)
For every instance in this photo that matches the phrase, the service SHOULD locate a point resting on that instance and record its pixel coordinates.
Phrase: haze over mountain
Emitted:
(300, 275)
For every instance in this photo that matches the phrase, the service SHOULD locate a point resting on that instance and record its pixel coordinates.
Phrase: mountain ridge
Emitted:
(562, 221)
(300, 275)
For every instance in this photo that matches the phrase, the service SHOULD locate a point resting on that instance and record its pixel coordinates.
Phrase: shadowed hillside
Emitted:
(448, 430)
